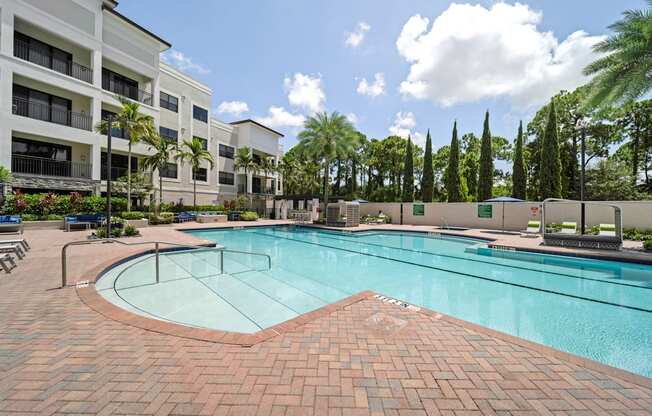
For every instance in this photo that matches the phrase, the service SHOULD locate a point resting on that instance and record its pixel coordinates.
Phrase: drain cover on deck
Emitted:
(385, 324)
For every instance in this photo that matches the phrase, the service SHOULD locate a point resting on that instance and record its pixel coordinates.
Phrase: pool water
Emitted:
(596, 309)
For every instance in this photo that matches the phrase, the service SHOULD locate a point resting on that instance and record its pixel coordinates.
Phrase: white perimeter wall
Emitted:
(636, 214)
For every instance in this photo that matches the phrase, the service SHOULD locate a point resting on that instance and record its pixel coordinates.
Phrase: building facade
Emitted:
(65, 65)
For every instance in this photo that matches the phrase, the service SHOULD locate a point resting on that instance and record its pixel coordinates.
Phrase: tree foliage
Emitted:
(519, 185)
(408, 174)
(453, 185)
(550, 180)
(486, 169)
(428, 179)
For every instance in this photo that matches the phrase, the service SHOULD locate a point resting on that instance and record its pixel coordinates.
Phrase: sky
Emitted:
(390, 66)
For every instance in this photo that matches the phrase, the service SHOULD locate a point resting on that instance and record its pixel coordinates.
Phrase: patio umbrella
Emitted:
(504, 199)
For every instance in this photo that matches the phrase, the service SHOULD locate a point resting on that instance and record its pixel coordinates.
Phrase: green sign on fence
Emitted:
(485, 211)
(418, 210)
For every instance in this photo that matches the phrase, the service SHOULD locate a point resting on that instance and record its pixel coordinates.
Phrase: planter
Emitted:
(211, 218)
(43, 225)
(139, 223)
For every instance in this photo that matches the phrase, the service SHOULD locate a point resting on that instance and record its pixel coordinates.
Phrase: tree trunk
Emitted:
(326, 169)
(128, 178)
(160, 191)
(194, 190)
(635, 150)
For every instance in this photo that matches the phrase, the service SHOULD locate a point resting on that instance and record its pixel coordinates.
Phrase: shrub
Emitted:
(162, 218)
(116, 232)
(636, 234)
(133, 215)
(29, 217)
(248, 216)
(131, 231)
(647, 245)
(53, 217)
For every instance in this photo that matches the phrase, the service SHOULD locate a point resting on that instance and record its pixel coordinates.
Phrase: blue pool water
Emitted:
(596, 309)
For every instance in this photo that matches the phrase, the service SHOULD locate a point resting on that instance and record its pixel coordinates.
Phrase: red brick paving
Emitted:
(58, 356)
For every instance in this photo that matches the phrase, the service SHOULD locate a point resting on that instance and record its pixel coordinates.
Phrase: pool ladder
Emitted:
(157, 251)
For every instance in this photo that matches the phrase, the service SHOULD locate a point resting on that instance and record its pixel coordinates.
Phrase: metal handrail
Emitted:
(157, 244)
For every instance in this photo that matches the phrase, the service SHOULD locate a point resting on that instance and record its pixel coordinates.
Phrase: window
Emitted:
(204, 142)
(227, 151)
(169, 171)
(119, 84)
(200, 174)
(227, 178)
(118, 165)
(200, 114)
(43, 150)
(169, 102)
(115, 131)
(35, 104)
(170, 135)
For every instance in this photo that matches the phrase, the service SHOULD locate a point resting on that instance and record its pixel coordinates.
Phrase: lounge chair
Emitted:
(11, 224)
(13, 248)
(186, 216)
(607, 230)
(533, 229)
(7, 263)
(83, 220)
(569, 227)
(21, 241)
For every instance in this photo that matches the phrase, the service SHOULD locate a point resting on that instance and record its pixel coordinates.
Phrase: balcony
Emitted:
(41, 54)
(256, 190)
(126, 90)
(50, 167)
(51, 114)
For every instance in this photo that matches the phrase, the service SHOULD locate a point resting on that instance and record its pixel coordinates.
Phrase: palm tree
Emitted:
(244, 159)
(625, 73)
(193, 152)
(325, 136)
(136, 126)
(163, 151)
(268, 167)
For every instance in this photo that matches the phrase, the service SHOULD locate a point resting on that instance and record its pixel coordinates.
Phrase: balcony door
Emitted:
(40, 158)
(41, 106)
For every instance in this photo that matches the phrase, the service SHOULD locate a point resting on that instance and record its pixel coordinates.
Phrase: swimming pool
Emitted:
(596, 309)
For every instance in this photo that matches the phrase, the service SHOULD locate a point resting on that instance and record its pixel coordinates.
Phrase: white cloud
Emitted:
(374, 89)
(279, 117)
(182, 62)
(233, 107)
(305, 92)
(403, 124)
(353, 118)
(473, 53)
(355, 38)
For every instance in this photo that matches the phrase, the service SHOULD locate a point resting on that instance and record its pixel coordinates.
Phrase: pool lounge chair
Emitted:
(569, 227)
(11, 224)
(185, 217)
(13, 248)
(533, 229)
(7, 263)
(607, 230)
(20, 241)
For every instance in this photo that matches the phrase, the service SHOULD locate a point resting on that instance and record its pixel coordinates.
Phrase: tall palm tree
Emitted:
(244, 159)
(164, 151)
(136, 126)
(325, 136)
(193, 153)
(268, 167)
(625, 73)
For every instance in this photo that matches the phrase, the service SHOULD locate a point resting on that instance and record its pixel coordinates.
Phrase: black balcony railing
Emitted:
(42, 55)
(116, 172)
(128, 91)
(52, 114)
(49, 167)
(256, 190)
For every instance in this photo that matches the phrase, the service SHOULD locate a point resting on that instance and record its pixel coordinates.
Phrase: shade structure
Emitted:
(504, 199)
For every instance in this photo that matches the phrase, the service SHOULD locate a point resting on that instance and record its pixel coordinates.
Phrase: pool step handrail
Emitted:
(157, 249)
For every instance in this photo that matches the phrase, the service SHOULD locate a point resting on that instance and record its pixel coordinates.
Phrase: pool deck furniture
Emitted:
(343, 214)
(185, 217)
(234, 216)
(11, 224)
(84, 221)
(211, 218)
(16, 249)
(533, 229)
(21, 241)
(569, 236)
(7, 263)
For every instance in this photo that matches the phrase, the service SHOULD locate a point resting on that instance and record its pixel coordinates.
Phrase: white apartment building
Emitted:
(65, 64)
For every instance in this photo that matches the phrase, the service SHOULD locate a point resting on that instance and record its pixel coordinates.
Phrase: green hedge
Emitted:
(44, 205)
(647, 244)
(637, 234)
(248, 216)
(181, 208)
(162, 218)
(133, 215)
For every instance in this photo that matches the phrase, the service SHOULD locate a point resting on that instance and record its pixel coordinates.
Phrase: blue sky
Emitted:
(285, 59)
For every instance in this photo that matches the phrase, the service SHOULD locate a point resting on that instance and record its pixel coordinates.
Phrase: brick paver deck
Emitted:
(58, 356)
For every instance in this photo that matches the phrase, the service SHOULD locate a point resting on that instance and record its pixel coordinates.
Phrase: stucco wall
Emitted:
(636, 214)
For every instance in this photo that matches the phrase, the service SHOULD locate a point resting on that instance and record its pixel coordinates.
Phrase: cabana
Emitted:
(343, 214)
(566, 239)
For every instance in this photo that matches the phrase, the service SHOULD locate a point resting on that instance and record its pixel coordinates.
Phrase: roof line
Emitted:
(248, 120)
(136, 25)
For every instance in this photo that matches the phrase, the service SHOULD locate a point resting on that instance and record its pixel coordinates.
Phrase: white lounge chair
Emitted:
(7, 263)
(607, 230)
(23, 242)
(13, 248)
(569, 227)
(533, 229)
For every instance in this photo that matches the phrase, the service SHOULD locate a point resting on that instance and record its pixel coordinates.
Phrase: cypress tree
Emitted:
(518, 174)
(486, 174)
(550, 171)
(408, 174)
(428, 179)
(453, 186)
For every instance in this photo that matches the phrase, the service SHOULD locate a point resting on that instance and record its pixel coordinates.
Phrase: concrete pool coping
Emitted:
(94, 300)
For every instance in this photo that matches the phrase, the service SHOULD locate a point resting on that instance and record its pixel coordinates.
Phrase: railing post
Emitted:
(64, 268)
(221, 261)
(157, 264)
